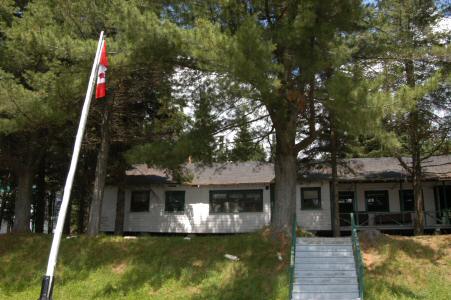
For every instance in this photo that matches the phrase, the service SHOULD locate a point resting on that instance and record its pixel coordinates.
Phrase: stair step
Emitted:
(323, 248)
(325, 296)
(324, 241)
(300, 254)
(326, 288)
(302, 280)
(324, 273)
(326, 267)
(324, 260)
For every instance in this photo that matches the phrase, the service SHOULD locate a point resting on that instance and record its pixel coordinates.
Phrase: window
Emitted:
(175, 202)
(237, 201)
(140, 201)
(443, 197)
(310, 198)
(377, 201)
(346, 201)
(407, 200)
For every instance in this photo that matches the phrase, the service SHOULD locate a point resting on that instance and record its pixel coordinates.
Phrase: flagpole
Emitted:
(48, 279)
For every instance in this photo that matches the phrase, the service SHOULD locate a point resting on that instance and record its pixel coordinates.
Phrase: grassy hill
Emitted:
(173, 268)
(408, 267)
(145, 268)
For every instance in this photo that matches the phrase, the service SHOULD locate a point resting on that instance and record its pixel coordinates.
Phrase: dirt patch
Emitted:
(372, 259)
(198, 263)
(120, 268)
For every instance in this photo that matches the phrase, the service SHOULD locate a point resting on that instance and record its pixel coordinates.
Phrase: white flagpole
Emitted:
(47, 281)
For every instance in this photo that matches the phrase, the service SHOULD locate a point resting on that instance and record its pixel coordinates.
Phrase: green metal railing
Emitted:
(293, 255)
(357, 257)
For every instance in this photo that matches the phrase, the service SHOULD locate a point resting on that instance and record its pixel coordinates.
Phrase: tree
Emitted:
(278, 49)
(246, 147)
(416, 75)
(202, 134)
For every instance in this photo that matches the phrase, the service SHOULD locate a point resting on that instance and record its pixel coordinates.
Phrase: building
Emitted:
(238, 197)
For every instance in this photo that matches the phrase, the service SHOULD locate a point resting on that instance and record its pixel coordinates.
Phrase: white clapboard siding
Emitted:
(108, 209)
(196, 218)
(319, 219)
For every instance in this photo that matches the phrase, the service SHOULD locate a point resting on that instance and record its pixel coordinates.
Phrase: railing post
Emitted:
(357, 257)
(293, 255)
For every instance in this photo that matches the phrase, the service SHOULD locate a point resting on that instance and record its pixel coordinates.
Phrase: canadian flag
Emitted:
(103, 66)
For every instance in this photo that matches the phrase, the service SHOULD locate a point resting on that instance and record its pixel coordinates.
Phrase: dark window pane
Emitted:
(236, 201)
(217, 202)
(407, 201)
(252, 202)
(345, 200)
(311, 198)
(139, 201)
(377, 200)
(175, 201)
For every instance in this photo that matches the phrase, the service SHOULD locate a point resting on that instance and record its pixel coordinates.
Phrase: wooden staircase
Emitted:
(324, 269)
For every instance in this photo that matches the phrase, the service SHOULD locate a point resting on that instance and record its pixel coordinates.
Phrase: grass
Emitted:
(159, 267)
(146, 268)
(408, 267)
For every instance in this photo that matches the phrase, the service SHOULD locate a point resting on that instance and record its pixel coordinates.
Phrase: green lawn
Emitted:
(173, 268)
(408, 267)
(146, 268)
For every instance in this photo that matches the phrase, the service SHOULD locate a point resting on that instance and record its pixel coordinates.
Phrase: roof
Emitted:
(381, 168)
(352, 170)
(228, 173)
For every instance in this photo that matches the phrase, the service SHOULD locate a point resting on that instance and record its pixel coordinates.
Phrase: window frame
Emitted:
(401, 200)
(228, 192)
(387, 197)
(166, 198)
(147, 200)
(318, 189)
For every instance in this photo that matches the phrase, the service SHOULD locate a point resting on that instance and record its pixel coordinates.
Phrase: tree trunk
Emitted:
(2, 207)
(285, 192)
(120, 207)
(100, 174)
(333, 186)
(285, 175)
(22, 206)
(50, 212)
(415, 147)
(68, 220)
(417, 194)
(81, 212)
(40, 198)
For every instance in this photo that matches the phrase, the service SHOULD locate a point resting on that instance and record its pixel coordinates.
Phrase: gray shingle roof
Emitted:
(381, 168)
(216, 174)
(355, 169)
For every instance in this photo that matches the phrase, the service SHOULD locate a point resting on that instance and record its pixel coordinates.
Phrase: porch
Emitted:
(403, 220)
(390, 206)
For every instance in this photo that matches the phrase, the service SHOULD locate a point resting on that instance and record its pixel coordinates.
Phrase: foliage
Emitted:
(246, 147)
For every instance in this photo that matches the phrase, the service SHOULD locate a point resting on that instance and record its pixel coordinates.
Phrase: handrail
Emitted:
(357, 257)
(293, 255)
(401, 219)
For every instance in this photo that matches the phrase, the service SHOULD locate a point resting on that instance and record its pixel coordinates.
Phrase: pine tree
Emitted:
(202, 135)
(279, 50)
(416, 72)
(246, 147)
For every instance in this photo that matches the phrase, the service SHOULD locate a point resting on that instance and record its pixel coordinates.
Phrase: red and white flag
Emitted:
(101, 80)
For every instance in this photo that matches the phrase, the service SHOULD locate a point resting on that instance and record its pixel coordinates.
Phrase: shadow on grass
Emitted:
(199, 266)
(401, 265)
(149, 263)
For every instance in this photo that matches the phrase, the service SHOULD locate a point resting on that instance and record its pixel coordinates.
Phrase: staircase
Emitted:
(324, 270)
